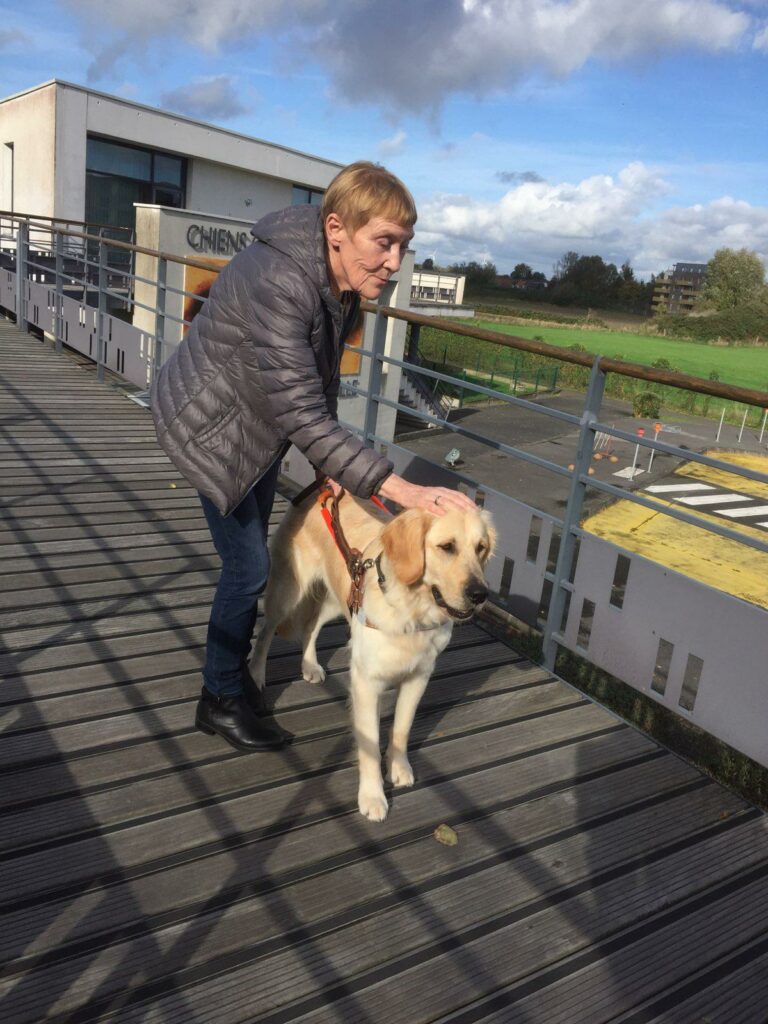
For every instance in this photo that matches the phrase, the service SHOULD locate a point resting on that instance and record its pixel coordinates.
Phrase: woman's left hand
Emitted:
(437, 500)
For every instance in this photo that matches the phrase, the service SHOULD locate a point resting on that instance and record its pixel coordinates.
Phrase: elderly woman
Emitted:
(258, 371)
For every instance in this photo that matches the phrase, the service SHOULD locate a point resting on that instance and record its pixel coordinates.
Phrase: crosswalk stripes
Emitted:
(716, 501)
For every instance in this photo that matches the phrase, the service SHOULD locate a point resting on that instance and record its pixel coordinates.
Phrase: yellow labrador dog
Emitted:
(427, 574)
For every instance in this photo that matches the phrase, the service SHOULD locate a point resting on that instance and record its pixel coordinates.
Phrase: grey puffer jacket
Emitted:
(259, 369)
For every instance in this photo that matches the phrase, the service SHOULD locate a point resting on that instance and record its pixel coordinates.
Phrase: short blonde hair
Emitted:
(364, 190)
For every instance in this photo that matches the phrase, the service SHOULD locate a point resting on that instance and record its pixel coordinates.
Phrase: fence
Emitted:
(696, 650)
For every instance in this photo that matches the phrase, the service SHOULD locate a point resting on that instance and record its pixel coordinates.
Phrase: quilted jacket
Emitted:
(259, 370)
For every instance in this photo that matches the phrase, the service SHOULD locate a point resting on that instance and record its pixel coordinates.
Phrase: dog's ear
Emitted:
(491, 533)
(403, 541)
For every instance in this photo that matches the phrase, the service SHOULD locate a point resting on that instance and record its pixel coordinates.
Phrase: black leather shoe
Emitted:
(232, 719)
(254, 695)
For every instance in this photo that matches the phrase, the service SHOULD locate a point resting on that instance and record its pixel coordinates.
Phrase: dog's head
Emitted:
(443, 555)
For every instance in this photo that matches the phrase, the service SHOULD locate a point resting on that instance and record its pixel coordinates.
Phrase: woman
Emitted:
(259, 370)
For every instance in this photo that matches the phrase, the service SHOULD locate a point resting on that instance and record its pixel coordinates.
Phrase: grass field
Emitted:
(747, 366)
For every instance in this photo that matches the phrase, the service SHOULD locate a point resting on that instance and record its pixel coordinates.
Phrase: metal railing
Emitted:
(548, 563)
(98, 278)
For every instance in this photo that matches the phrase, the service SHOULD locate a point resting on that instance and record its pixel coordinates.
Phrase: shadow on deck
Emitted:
(151, 874)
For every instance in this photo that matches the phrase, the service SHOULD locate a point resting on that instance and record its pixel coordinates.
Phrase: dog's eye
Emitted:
(481, 549)
(449, 547)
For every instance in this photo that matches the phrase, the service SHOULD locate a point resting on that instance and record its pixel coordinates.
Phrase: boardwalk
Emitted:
(151, 874)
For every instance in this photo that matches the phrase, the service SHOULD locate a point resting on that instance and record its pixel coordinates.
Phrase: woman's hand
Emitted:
(438, 500)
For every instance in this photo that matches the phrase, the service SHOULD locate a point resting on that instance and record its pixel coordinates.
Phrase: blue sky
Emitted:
(635, 131)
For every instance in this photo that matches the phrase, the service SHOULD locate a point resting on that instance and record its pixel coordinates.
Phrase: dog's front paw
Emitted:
(372, 805)
(400, 772)
(312, 672)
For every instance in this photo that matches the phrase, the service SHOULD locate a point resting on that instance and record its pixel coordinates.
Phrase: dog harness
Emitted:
(357, 566)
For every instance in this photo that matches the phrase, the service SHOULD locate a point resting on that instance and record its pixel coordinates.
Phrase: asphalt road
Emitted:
(556, 441)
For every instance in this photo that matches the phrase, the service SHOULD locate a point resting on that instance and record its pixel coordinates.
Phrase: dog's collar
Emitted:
(381, 579)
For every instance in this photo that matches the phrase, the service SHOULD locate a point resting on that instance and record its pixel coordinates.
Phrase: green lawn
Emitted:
(747, 366)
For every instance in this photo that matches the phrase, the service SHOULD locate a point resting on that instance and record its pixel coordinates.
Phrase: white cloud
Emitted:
(761, 40)
(11, 37)
(611, 216)
(393, 146)
(211, 99)
(427, 50)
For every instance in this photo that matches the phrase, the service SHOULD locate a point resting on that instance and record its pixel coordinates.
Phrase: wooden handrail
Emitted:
(747, 396)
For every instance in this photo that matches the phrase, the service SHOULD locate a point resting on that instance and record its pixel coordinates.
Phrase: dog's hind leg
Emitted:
(279, 602)
(326, 609)
(399, 769)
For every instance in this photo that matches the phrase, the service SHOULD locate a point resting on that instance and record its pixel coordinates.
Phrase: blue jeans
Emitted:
(241, 542)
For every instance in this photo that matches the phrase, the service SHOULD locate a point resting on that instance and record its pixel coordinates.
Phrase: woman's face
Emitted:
(364, 261)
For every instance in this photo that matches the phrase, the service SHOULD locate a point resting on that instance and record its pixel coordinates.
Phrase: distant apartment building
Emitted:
(677, 290)
(430, 286)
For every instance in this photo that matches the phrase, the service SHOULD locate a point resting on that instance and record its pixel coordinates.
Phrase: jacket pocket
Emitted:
(210, 432)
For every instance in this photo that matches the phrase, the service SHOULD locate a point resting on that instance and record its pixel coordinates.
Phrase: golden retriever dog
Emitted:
(429, 573)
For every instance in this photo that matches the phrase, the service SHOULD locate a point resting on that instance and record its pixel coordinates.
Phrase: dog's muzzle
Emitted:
(476, 593)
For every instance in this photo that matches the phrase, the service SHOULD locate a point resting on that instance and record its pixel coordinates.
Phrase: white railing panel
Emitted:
(79, 326)
(728, 635)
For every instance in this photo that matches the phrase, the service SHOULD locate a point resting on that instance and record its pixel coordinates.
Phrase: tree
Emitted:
(476, 273)
(522, 272)
(428, 264)
(564, 265)
(734, 277)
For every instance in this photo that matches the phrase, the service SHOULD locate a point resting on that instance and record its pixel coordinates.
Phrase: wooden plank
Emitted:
(481, 708)
(53, 742)
(492, 833)
(299, 969)
(282, 808)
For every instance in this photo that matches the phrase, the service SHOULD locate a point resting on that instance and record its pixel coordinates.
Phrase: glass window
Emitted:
(167, 197)
(125, 161)
(302, 195)
(168, 170)
(110, 200)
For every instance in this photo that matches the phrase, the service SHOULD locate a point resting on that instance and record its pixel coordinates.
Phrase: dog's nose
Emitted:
(476, 591)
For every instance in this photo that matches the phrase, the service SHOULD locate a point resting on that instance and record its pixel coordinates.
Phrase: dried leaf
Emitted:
(445, 834)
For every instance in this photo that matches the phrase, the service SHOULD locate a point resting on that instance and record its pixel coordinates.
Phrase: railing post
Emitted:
(22, 251)
(58, 319)
(573, 511)
(102, 315)
(160, 293)
(374, 379)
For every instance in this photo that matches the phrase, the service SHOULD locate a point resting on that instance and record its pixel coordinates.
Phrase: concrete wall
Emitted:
(230, 174)
(28, 121)
(166, 230)
(71, 131)
(232, 192)
(131, 122)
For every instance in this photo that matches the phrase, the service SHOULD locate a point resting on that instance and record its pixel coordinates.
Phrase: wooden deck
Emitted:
(152, 874)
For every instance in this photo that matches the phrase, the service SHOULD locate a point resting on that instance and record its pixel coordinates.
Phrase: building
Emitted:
(431, 286)
(677, 290)
(182, 188)
(78, 155)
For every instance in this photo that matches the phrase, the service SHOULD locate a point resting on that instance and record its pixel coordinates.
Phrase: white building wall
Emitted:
(28, 121)
(157, 129)
(71, 121)
(232, 192)
(228, 173)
